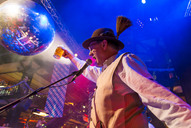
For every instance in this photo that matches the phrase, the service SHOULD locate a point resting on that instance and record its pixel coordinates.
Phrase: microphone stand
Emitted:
(2, 109)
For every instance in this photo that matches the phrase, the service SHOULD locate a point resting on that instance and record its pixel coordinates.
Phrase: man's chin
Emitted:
(99, 64)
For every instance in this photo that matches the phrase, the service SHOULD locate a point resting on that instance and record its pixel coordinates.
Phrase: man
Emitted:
(125, 87)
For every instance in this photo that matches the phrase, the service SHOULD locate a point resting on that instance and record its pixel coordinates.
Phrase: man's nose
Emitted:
(90, 53)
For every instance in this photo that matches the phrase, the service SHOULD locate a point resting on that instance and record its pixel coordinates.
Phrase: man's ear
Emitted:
(104, 44)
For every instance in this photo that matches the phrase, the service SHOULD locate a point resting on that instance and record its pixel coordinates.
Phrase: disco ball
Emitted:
(25, 27)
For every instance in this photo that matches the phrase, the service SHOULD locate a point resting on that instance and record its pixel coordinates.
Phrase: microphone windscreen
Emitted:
(89, 61)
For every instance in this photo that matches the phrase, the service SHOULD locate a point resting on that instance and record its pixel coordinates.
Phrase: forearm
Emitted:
(77, 62)
(91, 72)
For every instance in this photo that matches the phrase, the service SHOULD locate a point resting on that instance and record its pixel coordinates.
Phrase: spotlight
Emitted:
(143, 1)
(76, 55)
(43, 114)
(2, 86)
(12, 10)
(40, 112)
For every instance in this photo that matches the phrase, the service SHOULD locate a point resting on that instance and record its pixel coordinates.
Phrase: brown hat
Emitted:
(103, 34)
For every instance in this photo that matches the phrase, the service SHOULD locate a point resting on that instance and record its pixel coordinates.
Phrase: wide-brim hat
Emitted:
(103, 34)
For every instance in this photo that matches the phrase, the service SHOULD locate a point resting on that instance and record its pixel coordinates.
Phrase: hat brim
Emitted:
(87, 42)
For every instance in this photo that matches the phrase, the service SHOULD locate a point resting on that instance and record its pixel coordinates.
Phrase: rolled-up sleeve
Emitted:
(164, 104)
(91, 72)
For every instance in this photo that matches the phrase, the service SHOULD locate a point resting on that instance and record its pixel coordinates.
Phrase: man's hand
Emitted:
(67, 54)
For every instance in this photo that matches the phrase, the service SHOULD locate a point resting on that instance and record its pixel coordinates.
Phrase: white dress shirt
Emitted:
(133, 72)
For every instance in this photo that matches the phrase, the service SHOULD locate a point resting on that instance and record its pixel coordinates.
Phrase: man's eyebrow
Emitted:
(93, 43)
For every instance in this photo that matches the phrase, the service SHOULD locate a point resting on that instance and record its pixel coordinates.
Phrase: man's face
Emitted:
(96, 51)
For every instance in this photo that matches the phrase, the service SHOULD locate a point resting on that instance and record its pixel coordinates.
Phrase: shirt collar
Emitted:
(108, 61)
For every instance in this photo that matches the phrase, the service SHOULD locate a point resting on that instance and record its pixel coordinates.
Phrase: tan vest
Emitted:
(112, 110)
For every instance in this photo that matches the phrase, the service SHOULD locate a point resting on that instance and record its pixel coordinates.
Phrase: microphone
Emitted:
(88, 62)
